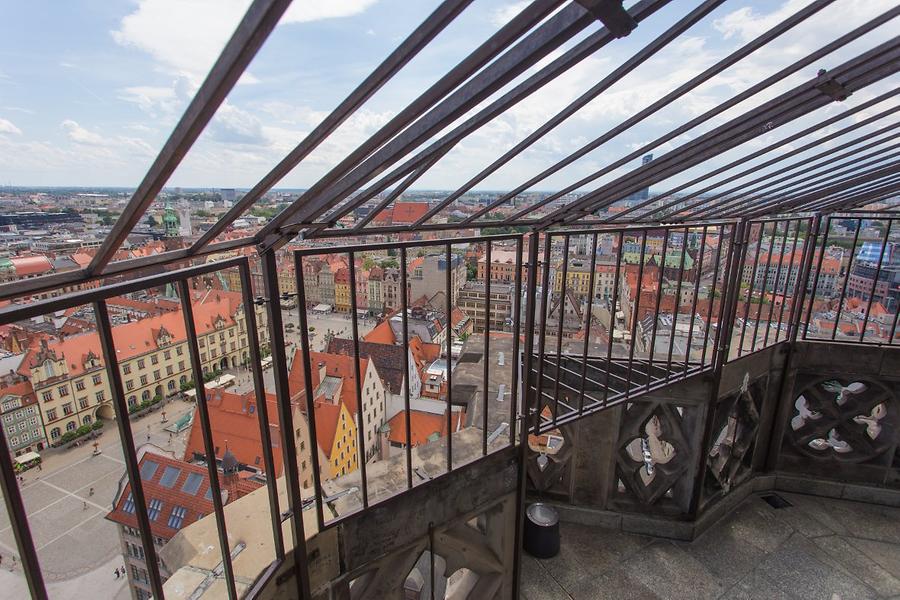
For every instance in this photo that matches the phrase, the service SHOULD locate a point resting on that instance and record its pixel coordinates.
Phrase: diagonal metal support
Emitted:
(613, 16)
(253, 30)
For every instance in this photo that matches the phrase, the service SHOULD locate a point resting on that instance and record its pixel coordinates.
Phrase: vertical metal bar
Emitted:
(449, 339)
(187, 309)
(762, 291)
(262, 409)
(559, 332)
(18, 519)
(407, 378)
(677, 307)
(727, 314)
(587, 323)
(712, 292)
(787, 281)
(843, 295)
(132, 467)
(762, 228)
(659, 288)
(809, 250)
(787, 227)
(487, 340)
(308, 389)
(731, 284)
(286, 417)
(525, 361)
(636, 303)
(542, 336)
(517, 319)
(612, 314)
(698, 273)
(360, 413)
(887, 234)
(431, 558)
(894, 326)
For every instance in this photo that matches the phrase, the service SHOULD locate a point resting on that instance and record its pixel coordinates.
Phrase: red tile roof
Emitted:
(327, 413)
(234, 422)
(408, 212)
(327, 417)
(382, 333)
(422, 425)
(31, 265)
(21, 389)
(139, 337)
(196, 504)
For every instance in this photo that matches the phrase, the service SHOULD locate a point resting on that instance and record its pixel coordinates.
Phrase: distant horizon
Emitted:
(237, 189)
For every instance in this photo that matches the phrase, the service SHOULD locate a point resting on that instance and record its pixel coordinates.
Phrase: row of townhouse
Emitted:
(779, 271)
(326, 280)
(69, 377)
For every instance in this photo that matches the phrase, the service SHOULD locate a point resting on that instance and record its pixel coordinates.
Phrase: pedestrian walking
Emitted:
(40, 468)
(91, 492)
(85, 506)
(117, 572)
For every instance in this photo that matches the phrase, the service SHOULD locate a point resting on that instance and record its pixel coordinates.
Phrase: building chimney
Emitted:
(322, 371)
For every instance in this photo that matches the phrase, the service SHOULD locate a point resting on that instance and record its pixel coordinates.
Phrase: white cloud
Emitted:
(156, 101)
(233, 125)
(80, 135)
(8, 127)
(185, 38)
(503, 15)
(85, 137)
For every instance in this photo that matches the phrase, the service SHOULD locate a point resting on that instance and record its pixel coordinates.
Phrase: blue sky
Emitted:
(90, 89)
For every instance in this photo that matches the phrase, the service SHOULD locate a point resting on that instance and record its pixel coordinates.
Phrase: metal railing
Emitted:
(610, 313)
(774, 251)
(442, 250)
(854, 291)
(646, 313)
(98, 298)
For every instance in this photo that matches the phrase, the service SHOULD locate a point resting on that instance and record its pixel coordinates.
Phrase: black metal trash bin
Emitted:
(541, 538)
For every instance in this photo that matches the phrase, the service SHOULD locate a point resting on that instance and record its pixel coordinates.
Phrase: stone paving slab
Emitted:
(36, 497)
(78, 551)
(817, 548)
(84, 473)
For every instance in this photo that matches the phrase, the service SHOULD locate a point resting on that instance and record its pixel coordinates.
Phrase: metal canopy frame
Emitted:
(395, 155)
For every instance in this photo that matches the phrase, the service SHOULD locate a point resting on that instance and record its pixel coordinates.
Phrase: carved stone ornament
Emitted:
(847, 420)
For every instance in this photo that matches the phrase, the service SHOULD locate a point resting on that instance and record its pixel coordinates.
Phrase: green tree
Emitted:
(471, 271)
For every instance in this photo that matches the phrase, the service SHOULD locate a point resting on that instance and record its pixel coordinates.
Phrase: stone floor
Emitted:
(817, 549)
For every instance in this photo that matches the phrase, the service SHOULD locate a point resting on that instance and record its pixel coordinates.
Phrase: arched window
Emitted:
(70, 426)
(87, 420)
(132, 400)
(145, 395)
(171, 385)
(54, 433)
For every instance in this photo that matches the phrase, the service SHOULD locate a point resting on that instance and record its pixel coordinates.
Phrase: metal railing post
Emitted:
(132, 467)
(800, 294)
(308, 390)
(184, 291)
(286, 418)
(732, 278)
(262, 407)
(525, 429)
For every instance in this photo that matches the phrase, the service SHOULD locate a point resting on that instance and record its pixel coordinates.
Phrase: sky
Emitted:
(91, 89)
